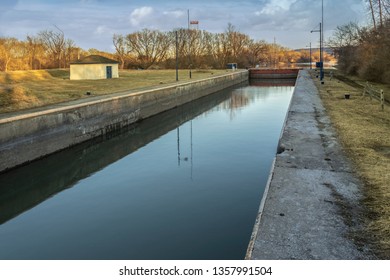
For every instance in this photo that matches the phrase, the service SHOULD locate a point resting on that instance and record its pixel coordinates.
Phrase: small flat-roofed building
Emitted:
(94, 67)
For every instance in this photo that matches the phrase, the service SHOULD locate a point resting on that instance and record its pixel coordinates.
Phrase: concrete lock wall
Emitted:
(30, 136)
(273, 73)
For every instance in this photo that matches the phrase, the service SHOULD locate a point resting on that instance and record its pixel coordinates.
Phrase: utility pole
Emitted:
(188, 19)
(321, 53)
(311, 65)
(310, 56)
(322, 42)
(189, 46)
(177, 57)
(274, 53)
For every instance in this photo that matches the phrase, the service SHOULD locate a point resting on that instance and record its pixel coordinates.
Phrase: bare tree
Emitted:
(198, 46)
(386, 7)
(238, 44)
(345, 36)
(345, 42)
(220, 50)
(150, 46)
(372, 13)
(54, 43)
(35, 52)
(121, 48)
(70, 51)
(256, 49)
(380, 12)
(8, 49)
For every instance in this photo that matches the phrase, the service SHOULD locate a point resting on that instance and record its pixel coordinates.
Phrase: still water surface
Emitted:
(186, 184)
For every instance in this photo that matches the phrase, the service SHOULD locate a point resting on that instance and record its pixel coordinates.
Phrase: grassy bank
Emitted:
(364, 131)
(29, 89)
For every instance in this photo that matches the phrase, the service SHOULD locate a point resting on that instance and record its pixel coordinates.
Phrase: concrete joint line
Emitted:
(256, 226)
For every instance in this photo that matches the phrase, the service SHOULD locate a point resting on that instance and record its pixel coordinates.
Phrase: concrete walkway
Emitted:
(310, 209)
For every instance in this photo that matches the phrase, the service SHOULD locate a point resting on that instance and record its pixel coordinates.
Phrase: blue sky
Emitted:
(91, 23)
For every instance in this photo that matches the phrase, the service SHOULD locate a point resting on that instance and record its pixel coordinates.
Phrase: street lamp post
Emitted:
(321, 51)
(311, 65)
(321, 30)
(177, 56)
(189, 46)
(310, 55)
(322, 42)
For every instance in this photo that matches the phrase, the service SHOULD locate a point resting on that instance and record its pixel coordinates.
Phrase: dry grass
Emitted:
(361, 83)
(29, 89)
(364, 131)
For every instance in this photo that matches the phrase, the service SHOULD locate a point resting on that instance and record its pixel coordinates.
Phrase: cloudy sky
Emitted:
(91, 23)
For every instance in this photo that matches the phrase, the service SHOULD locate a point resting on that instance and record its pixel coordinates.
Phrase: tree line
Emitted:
(201, 49)
(48, 49)
(364, 51)
(151, 49)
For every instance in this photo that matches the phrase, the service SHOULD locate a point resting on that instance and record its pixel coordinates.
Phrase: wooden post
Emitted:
(365, 88)
(370, 91)
(382, 100)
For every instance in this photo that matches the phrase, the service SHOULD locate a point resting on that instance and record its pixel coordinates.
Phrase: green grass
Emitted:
(29, 89)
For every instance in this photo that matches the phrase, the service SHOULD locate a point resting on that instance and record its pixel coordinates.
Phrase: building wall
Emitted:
(91, 71)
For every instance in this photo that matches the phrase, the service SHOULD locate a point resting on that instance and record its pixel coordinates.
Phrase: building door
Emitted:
(109, 72)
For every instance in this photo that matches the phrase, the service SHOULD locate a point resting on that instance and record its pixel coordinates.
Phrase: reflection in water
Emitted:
(185, 184)
(23, 188)
(273, 82)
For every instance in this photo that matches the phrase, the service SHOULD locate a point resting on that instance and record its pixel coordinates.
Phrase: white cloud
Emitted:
(139, 14)
(91, 23)
(102, 29)
(175, 13)
(274, 7)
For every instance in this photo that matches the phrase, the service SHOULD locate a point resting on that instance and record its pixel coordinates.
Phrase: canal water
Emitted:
(185, 184)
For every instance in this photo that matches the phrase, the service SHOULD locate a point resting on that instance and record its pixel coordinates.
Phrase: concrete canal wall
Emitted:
(31, 135)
